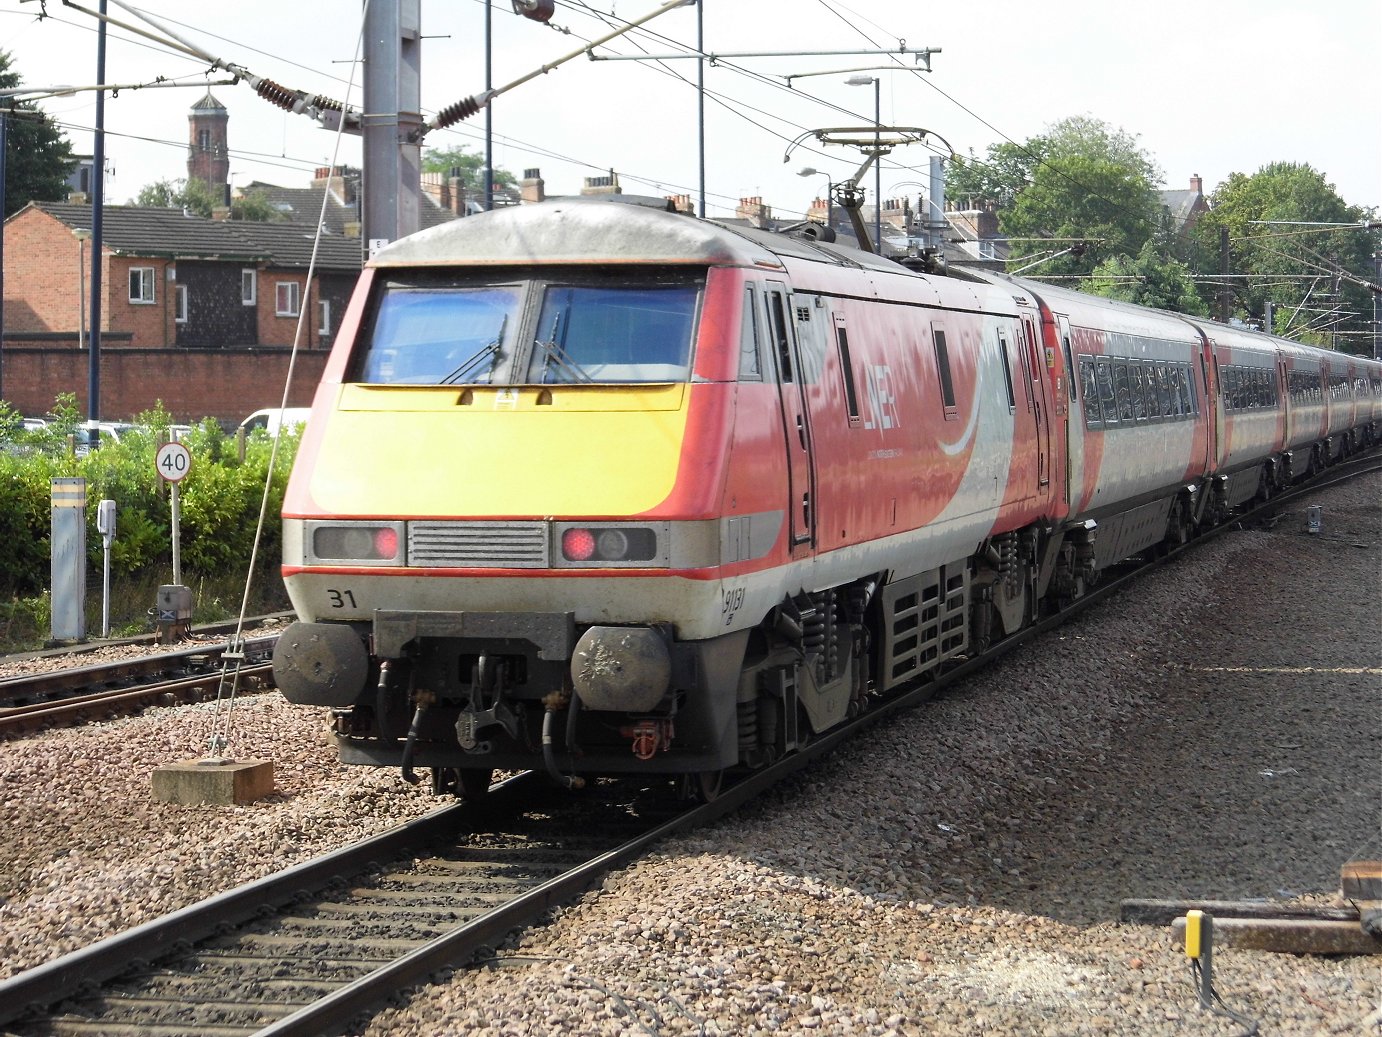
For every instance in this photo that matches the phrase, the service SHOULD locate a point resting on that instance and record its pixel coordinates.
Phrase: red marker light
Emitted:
(578, 545)
(385, 542)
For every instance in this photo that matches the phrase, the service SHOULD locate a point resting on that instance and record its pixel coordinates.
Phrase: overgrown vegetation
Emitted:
(219, 505)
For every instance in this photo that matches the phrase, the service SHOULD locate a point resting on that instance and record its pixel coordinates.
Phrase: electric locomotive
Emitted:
(610, 489)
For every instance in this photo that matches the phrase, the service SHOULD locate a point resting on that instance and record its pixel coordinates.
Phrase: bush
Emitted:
(219, 503)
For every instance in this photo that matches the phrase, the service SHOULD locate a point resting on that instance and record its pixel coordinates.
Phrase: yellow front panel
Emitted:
(499, 451)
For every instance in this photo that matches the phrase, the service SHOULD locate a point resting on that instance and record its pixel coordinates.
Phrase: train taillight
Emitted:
(610, 545)
(578, 545)
(359, 543)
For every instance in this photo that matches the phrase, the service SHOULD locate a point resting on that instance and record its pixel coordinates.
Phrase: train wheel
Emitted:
(474, 782)
(702, 786)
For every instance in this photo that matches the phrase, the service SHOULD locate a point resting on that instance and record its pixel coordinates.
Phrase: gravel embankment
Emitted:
(958, 871)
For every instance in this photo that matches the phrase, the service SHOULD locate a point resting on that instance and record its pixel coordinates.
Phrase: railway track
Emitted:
(310, 949)
(104, 690)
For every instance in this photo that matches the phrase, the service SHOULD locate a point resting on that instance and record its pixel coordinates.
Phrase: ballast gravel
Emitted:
(1214, 734)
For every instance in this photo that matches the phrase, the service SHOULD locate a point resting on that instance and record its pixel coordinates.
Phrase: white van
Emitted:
(271, 419)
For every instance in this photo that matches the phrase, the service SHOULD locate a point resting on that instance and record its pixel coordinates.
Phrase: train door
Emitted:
(1072, 429)
(1282, 402)
(1036, 393)
(796, 425)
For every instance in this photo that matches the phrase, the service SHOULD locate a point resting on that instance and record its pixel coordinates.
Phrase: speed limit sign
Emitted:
(173, 462)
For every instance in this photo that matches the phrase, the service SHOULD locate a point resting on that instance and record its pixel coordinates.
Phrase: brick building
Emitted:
(170, 281)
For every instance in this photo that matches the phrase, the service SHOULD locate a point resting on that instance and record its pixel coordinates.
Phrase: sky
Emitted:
(1207, 88)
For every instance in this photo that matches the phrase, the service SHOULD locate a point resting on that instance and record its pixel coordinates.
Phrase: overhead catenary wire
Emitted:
(220, 739)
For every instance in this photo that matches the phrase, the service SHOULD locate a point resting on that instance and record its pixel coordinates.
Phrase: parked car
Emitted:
(94, 434)
(271, 419)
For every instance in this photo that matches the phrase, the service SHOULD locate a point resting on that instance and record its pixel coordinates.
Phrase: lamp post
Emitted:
(829, 189)
(877, 162)
(81, 234)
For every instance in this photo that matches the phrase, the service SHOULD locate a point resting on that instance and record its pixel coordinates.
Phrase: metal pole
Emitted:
(174, 515)
(877, 165)
(81, 298)
(700, 94)
(98, 201)
(392, 122)
(489, 109)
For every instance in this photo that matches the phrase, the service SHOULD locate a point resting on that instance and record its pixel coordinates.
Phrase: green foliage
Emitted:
(254, 207)
(1279, 253)
(187, 193)
(1108, 204)
(470, 167)
(1151, 279)
(220, 503)
(38, 158)
(999, 177)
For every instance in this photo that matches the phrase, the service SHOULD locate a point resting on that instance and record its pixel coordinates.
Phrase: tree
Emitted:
(1109, 206)
(1007, 171)
(1310, 274)
(38, 158)
(1010, 167)
(254, 207)
(1151, 279)
(471, 167)
(196, 196)
(190, 194)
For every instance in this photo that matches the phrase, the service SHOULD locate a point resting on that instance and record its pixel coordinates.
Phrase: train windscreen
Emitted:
(530, 332)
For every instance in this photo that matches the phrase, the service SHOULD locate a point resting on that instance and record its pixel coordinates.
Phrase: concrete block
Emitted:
(216, 781)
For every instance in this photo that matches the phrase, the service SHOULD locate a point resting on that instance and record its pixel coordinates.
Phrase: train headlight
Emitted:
(626, 545)
(356, 543)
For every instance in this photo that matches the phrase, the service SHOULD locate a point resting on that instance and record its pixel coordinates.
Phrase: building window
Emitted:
(986, 250)
(286, 298)
(204, 140)
(248, 280)
(324, 318)
(180, 297)
(142, 284)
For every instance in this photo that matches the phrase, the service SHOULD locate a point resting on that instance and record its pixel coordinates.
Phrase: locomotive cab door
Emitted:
(796, 425)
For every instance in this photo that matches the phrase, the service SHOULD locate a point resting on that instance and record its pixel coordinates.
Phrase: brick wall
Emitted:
(226, 384)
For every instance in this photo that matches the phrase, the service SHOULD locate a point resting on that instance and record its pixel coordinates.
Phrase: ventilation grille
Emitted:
(485, 545)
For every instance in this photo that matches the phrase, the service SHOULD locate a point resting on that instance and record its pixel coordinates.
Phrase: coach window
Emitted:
(847, 371)
(1007, 372)
(1173, 383)
(750, 369)
(1163, 390)
(777, 321)
(1069, 358)
(1121, 390)
(943, 371)
(1187, 391)
(1089, 389)
(1153, 395)
(1107, 401)
(1138, 384)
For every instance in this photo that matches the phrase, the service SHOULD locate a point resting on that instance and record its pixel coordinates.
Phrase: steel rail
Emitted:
(57, 980)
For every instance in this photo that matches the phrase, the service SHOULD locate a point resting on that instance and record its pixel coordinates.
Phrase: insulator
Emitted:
(327, 104)
(276, 93)
(462, 109)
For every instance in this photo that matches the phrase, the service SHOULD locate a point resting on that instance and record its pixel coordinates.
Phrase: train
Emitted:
(605, 489)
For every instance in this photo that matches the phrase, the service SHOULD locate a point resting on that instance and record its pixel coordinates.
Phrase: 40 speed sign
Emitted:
(173, 462)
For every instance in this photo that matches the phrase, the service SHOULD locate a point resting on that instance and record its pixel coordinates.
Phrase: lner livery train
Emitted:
(608, 489)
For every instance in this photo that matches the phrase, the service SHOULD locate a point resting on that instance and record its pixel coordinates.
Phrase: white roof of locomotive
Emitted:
(599, 230)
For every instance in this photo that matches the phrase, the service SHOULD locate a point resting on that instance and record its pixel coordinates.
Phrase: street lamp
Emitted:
(877, 162)
(829, 189)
